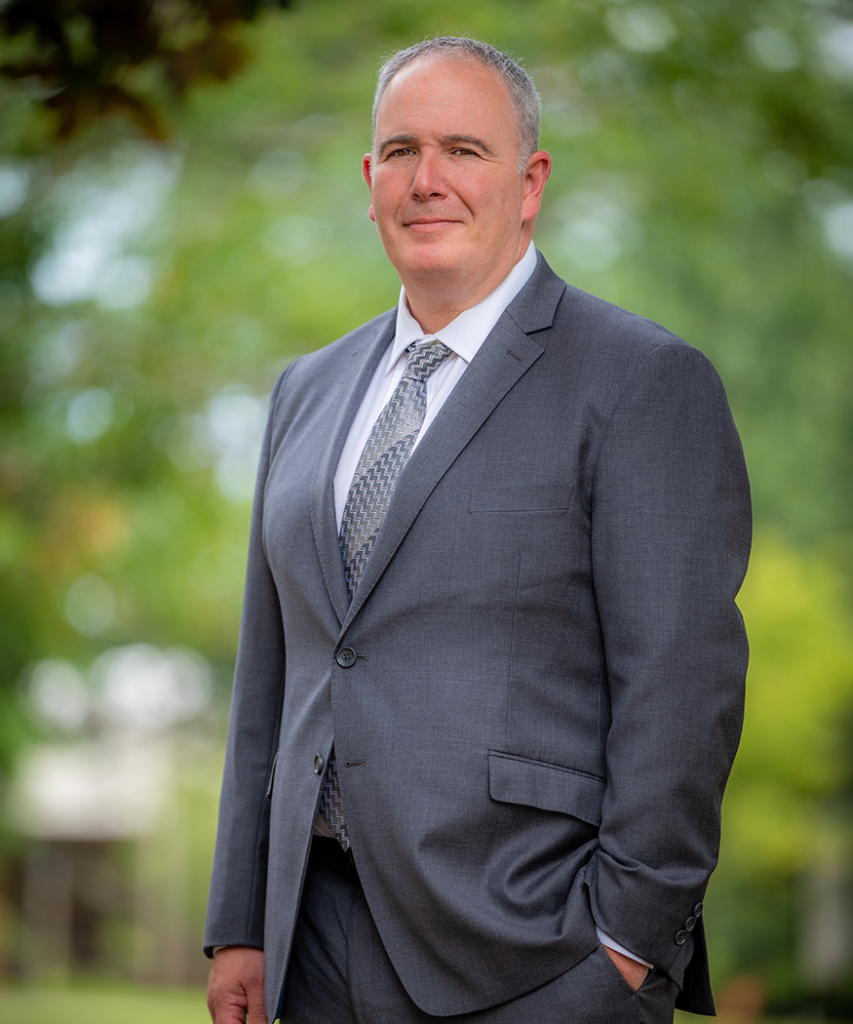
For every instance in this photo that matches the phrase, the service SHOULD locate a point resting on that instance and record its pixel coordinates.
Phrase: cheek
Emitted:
(383, 201)
(491, 199)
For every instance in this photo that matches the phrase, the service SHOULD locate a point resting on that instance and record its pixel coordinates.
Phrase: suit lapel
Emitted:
(364, 358)
(505, 356)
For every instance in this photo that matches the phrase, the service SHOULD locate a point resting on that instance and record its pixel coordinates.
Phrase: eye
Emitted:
(403, 151)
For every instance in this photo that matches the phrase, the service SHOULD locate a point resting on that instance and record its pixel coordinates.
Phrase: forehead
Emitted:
(461, 93)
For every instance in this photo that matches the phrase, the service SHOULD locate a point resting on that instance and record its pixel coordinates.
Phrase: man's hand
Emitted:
(634, 973)
(236, 986)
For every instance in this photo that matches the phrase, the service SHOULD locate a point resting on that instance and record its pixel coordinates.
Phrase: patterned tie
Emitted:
(386, 452)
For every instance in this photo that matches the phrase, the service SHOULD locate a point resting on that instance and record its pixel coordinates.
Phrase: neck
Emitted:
(435, 301)
(432, 317)
(435, 308)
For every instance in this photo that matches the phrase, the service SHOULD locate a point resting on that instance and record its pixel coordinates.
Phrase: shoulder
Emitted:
(548, 303)
(610, 329)
(603, 337)
(606, 359)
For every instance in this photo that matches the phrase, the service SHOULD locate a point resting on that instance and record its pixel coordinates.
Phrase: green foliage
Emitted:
(91, 59)
(802, 645)
(788, 812)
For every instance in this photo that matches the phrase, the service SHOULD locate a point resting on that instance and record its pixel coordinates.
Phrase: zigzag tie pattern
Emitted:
(386, 452)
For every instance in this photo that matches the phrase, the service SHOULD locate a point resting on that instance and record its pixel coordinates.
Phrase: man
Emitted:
(489, 628)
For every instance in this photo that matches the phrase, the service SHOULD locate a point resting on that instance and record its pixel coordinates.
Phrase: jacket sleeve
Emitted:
(235, 912)
(671, 529)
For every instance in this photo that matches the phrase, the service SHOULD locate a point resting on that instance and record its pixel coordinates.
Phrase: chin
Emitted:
(427, 264)
(421, 255)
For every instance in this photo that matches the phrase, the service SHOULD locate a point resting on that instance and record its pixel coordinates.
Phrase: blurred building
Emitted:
(114, 821)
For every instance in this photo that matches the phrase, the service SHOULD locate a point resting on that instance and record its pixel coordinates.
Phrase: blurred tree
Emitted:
(788, 813)
(93, 58)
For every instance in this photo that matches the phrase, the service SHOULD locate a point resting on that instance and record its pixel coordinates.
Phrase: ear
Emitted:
(536, 175)
(366, 166)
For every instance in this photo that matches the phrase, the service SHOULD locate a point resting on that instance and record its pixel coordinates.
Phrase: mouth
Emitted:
(429, 223)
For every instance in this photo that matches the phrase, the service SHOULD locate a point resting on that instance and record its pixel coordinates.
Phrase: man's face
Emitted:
(449, 202)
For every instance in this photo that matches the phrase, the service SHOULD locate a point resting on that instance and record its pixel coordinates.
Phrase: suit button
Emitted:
(345, 657)
(680, 938)
(319, 764)
(690, 924)
(697, 910)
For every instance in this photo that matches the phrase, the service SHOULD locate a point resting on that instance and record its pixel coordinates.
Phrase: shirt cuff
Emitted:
(605, 940)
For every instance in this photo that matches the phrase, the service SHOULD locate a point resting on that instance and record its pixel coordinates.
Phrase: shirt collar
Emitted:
(466, 333)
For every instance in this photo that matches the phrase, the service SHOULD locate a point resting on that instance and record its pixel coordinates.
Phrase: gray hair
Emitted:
(522, 92)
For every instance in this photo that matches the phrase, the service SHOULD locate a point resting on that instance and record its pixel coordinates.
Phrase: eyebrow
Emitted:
(407, 140)
(470, 140)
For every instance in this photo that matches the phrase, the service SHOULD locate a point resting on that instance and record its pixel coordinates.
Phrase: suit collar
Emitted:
(535, 306)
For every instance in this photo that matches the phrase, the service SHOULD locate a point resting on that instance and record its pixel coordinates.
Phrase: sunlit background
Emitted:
(161, 263)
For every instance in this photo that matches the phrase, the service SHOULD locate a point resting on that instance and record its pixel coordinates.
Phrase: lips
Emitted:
(429, 223)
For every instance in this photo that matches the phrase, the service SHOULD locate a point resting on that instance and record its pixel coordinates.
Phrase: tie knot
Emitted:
(423, 358)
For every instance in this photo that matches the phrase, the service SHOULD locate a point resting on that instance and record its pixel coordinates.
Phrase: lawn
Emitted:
(87, 1006)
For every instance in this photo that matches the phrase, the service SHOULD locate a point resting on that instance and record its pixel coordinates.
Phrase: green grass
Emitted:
(51, 1005)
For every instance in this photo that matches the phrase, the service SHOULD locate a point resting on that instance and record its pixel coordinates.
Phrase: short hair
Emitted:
(522, 92)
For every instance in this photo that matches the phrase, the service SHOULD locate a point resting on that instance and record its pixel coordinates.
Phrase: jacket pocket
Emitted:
(518, 780)
(521, 499)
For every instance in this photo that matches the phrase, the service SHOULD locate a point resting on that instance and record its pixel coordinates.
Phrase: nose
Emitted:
(428, 182)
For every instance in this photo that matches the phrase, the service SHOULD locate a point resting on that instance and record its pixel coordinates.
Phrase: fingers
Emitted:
(632, 971)
(236, 986)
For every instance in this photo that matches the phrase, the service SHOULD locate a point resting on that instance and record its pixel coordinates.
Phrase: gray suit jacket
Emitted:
(536, 731)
